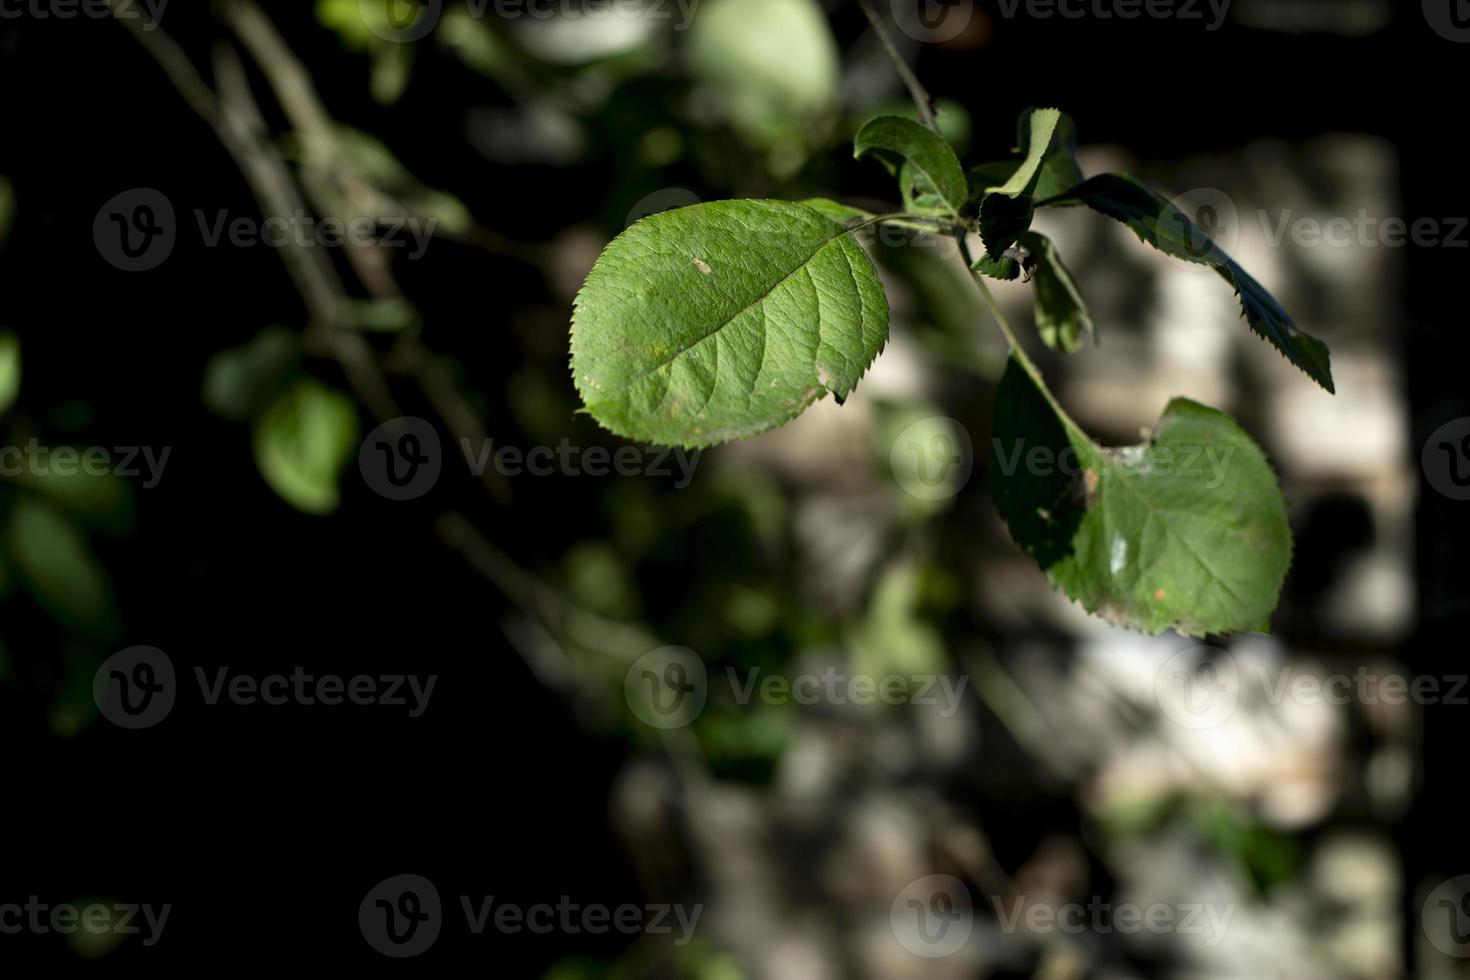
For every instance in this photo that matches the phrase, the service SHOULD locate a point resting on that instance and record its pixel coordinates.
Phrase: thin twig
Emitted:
(923, 101)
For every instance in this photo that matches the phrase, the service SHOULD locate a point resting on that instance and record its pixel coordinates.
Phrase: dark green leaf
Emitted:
(1187, 531)
(923, 163)
(1159, 223)
(1002, 221)
(55, 566)
(1061, 315)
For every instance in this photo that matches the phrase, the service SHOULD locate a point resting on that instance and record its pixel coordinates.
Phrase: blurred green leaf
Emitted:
(7, 207)
(771, 64)
(241, 381)
(56, 567)
(102, 500)
(303, 440)
(9, 369)
(1061, 314)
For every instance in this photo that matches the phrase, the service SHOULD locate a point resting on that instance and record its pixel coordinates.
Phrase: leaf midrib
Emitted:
(743, 310)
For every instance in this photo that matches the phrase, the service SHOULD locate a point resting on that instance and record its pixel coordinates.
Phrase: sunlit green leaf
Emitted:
(722, 320)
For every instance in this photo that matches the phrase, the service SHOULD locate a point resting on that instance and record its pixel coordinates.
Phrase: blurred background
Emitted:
(1051, 777)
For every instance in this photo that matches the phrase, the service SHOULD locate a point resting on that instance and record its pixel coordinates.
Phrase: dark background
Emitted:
(265, 826)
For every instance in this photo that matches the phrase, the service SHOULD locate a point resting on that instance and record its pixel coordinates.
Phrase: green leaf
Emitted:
(1002, 222)
(723, 320)
(1061, 315)
(1187, 531)
(7, 207)
(1060, 172)
(835, 211)
(240, 381)
(923, 163)
(1036, 131)
(1006, 268)
(1159, 223)
(101, 500)
(302, 442)
(58, 570)
(9, 369)
(771, 65)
